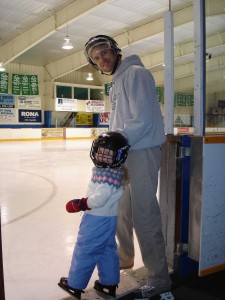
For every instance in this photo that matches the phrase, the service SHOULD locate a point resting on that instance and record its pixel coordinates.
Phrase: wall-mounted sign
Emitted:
(7, 101)
(29, 102)
(4, 79)
(25, 84)
(95, 105)
(84, 119)
(190, 100)
(7, 115)
(16, 84)
(107, 88)
(34, 90)
(52, 132)
(29, 116)
(180, 99)
(160, 94)
(104, 118)
(65, 104)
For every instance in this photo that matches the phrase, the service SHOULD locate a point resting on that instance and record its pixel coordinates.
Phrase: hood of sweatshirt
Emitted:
(127, 62)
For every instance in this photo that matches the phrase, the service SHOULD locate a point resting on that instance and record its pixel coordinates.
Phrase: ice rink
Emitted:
(37, 178)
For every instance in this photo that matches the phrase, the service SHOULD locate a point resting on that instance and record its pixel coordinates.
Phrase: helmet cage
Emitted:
(112, 141)
(100, 40)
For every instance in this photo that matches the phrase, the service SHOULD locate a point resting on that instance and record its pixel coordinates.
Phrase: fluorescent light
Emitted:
(67, 44)
(2, 68)
(90, 76)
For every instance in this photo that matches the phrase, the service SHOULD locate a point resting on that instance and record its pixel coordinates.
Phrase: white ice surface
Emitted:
(37, 178)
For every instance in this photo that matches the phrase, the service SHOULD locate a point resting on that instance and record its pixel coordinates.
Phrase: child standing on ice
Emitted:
(96, 243)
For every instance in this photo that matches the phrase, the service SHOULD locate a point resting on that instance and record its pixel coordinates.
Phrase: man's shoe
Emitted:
(151, 292)
(128, 265)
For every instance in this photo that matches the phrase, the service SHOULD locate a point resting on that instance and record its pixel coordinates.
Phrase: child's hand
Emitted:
(77, 205)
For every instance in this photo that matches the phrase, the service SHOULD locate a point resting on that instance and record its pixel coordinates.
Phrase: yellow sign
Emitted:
(84, 119)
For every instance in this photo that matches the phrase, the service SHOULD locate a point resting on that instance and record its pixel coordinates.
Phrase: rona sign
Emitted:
(30, 116)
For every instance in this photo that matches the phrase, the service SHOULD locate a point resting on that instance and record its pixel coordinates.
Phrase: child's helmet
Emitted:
(114, 141)
(101, 40)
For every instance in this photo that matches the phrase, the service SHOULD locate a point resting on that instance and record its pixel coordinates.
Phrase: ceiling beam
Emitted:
(38, 33)
(136, 35)
(184, 56)
(184, 75)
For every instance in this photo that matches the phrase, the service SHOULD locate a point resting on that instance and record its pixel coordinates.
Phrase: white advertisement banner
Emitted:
(52, 132)
(65, 104)
(29, 102)
(7, 101)
(7, 115)
(95, 105)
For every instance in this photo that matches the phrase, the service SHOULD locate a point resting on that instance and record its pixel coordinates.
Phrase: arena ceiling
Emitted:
(32, 32)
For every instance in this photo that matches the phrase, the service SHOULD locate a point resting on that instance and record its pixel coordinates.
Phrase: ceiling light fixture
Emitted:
(90, 77)
(67, 44)
(2, 68)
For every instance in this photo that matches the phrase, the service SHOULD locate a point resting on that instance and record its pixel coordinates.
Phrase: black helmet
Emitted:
(101, 40)
(114, 141)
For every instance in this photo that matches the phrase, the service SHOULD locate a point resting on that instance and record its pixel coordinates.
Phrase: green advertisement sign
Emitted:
(160, 94)
(180, 99)
(190, 100)
(25, 84)
(16, 84)
(34, 85)
(4, 80)
(107, 88)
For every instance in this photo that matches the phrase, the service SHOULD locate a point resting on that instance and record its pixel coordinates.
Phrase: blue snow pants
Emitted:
(95, 246)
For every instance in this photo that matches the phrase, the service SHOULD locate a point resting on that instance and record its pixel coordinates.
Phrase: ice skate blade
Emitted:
(68, 291)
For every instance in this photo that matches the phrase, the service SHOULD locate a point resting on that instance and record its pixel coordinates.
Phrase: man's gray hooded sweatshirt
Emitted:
(135, 110)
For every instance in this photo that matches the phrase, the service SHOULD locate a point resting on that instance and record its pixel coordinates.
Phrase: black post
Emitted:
(2, 289)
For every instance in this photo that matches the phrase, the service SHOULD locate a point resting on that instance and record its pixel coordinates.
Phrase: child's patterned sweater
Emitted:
(104, 191)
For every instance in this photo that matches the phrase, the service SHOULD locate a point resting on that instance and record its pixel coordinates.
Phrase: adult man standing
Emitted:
(135, 113)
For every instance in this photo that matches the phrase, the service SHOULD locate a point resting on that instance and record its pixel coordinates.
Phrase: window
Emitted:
(81, 93)
(63, 91)
(96, 94)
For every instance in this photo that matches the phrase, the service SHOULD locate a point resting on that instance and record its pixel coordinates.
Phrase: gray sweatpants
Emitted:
(139, 210)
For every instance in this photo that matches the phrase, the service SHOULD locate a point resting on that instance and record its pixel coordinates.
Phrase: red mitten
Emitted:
(77, 205)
